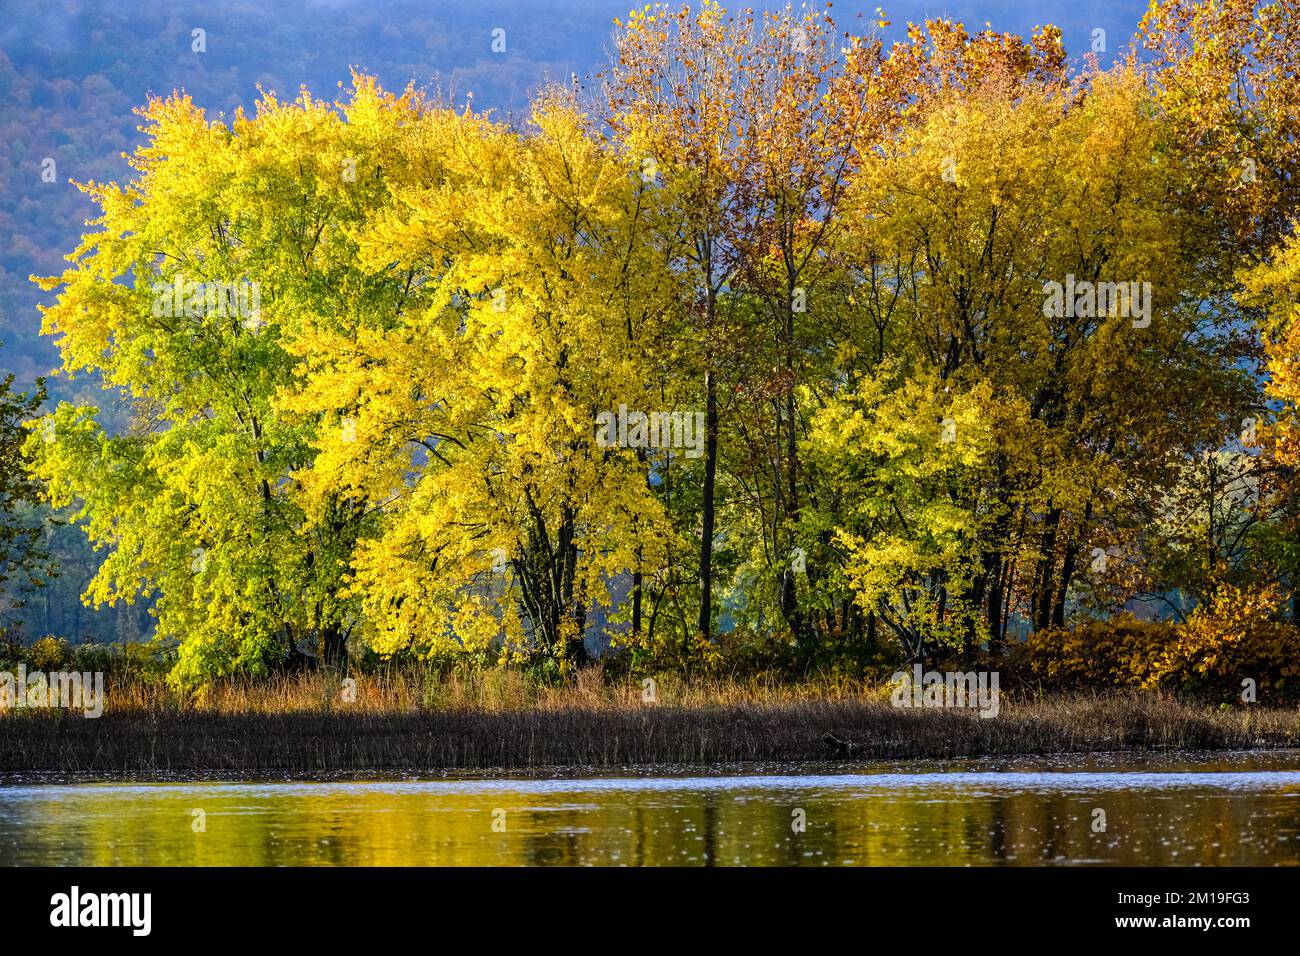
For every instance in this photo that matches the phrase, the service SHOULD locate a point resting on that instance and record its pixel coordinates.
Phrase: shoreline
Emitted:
(1102, 761)
(825, 732)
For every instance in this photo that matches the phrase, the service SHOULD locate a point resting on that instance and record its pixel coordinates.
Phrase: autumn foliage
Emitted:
(833, 255)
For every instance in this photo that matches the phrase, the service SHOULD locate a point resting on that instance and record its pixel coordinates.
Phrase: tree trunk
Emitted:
(636, 600)
(705, 625)
(334, 646)
(789, 596)
(1044, 590)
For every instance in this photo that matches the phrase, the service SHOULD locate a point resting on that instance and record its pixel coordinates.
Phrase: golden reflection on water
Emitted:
(1236, 817)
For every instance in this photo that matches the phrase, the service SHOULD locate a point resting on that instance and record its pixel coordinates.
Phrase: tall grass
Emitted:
(408, 720)
(412, 690)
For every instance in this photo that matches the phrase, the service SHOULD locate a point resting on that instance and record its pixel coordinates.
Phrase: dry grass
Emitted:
(499, 719)
(404, 691)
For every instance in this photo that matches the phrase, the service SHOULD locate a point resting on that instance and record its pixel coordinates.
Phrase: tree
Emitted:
(674, 109)
(968, 334)
(1078, 416)
(24, 563)
(1227, 77)
(505, 511)
(184, 302)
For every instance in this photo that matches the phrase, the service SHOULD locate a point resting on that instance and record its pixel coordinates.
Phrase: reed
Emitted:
(490, 690)
(501, 719)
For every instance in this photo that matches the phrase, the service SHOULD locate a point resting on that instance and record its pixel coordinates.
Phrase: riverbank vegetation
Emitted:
(775, 354)
(297, 725)
(1115, 656)
(403, 715)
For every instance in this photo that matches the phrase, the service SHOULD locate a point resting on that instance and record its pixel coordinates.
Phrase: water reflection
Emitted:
(1235, 810)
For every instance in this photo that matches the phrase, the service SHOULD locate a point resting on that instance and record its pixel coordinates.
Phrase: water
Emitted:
(1233, 809)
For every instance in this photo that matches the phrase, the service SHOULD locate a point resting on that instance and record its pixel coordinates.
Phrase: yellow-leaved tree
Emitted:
(469, 420)
(234, 235)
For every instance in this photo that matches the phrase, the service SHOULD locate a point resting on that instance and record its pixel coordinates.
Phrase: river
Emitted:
(1189, 809)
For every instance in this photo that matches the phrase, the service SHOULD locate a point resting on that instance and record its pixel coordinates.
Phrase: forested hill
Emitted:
(71, 73)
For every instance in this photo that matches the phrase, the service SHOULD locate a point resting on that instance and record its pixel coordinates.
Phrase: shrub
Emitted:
(92, 657)
(1234, 636)
(48, 653)
(1120, 652)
